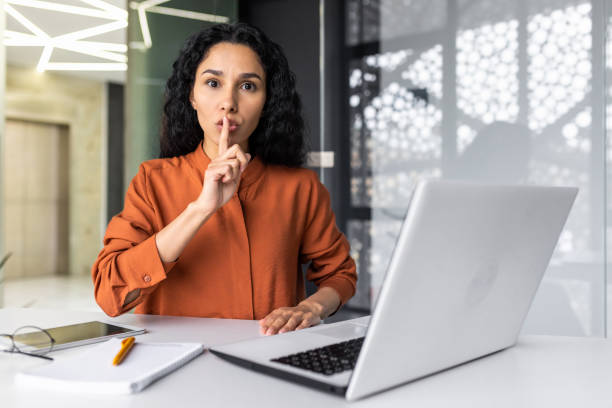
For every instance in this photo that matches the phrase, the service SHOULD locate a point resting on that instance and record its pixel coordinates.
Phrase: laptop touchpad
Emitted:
(342, 331)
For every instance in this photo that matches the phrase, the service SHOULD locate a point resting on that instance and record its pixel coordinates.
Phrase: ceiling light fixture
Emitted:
(101, 9)
(85, 66)
(76, 41)
(16, 39)
(72, 41)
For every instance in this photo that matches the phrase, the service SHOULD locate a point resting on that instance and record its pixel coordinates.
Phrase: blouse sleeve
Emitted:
(326, 247)
(129, 259)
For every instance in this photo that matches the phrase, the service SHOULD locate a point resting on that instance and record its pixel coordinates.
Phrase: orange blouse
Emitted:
(245, 260)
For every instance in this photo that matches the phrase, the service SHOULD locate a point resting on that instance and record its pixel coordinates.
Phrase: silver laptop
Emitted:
(466, 266)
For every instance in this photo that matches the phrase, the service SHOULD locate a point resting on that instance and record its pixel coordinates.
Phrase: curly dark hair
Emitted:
(280, 134)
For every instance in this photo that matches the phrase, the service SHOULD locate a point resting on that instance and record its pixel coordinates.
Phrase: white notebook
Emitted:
(93, 372)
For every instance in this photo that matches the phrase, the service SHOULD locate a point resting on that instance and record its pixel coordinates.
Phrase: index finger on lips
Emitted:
(224, 138)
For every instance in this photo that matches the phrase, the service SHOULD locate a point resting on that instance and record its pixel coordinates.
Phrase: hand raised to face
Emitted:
(222, 177)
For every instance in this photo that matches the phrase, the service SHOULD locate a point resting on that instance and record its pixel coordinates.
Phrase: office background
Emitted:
(393, 90)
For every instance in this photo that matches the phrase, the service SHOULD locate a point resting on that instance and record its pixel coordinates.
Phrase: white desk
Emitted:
(541, 371)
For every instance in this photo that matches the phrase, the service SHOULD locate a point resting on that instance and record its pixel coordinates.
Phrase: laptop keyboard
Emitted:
(328, 360)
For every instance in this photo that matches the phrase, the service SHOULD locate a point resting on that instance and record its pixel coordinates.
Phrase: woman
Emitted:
(220, 225)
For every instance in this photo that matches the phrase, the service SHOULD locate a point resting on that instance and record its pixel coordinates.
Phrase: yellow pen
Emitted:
(126, 346)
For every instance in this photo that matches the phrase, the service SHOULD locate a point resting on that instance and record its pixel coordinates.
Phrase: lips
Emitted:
(232, 125)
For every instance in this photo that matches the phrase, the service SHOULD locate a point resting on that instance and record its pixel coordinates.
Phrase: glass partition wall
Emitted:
(484, 90)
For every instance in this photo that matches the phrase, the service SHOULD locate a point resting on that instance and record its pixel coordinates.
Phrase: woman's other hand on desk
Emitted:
(222, 176)
(308, 313)
(286, 319)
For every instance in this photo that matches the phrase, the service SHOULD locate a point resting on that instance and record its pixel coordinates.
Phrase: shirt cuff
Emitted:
(145, 265)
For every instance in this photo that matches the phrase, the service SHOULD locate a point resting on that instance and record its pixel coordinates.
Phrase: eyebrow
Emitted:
(243, 76)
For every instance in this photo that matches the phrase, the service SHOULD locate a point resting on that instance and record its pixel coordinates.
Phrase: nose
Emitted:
(229, 102)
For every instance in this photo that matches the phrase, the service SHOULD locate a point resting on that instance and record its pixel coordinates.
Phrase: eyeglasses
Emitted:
(27, 338)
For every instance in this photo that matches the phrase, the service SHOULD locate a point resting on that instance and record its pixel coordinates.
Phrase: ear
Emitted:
(191, 99)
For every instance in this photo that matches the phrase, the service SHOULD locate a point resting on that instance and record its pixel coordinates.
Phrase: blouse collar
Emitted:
(253, 171)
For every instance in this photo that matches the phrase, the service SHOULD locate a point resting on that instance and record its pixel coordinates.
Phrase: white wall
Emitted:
(79, 104)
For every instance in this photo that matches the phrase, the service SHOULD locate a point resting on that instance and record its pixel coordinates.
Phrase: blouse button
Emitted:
(147, 278)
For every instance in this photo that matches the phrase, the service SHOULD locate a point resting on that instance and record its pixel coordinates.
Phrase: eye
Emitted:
(213, 83)
(248, 86)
